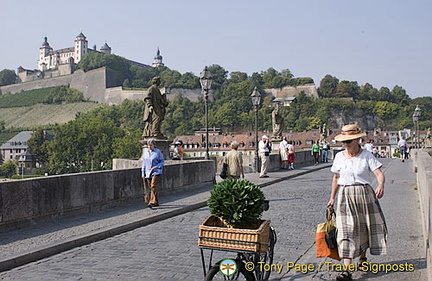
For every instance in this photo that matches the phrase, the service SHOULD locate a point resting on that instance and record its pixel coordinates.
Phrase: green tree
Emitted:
(7, 77)
(189, 81)
(328, 86)
(84, 144)
(219, 75)
(170, 77)
(8, 169)
(268, 77)
(95, 60)
(38, 145)
(128, 147)
(342, 90)
(399, 96)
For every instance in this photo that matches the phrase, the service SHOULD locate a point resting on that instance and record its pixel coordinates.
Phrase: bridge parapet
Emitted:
(423, 167)
(31, 200)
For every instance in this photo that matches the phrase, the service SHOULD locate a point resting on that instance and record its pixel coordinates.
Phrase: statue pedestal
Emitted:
(161, 144)
(275, 145)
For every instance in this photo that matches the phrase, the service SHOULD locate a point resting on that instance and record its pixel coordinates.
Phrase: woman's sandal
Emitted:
(360, 264)
(344, 276)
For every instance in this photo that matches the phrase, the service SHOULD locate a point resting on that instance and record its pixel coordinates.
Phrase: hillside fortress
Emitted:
(103, 85)
(49, 58)
(52, 63)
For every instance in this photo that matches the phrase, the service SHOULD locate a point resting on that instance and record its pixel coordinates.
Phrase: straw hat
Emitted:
(350, 132)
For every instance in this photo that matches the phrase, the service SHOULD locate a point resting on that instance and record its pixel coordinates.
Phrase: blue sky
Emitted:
(381, 42)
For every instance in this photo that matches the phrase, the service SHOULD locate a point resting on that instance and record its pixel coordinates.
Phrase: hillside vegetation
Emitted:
(88, 135)
(43, 114)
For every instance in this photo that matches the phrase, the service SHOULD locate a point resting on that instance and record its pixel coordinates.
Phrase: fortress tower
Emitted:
(157, 59)
(44, 60)
(106, 49)
(81, 46)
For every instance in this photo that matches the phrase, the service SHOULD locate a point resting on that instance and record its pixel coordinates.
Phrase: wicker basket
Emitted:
(215, 233)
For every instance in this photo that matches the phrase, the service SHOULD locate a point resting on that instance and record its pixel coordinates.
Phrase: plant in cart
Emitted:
(236, 226)
(238, 202)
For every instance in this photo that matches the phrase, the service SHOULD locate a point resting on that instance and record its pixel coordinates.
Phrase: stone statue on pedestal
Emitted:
(154, 110)
(278, 122)
(154, 114)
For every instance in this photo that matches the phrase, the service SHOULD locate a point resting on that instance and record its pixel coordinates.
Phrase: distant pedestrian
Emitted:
(235, 162)
(316, 152)
(291, 154)
(360, 221)
(264, 152)
(375, 152)
(152, 167)
(325, 147)
(368, 146)
(403, 147)
(283, 151)
(178, 153)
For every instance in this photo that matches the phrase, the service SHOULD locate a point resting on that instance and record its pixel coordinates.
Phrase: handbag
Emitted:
(325, 239)
(224, 172)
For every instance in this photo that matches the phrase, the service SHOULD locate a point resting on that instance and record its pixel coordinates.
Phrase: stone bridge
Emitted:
(160, 244)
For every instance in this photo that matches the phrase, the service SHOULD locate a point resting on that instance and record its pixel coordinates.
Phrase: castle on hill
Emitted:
(53, 63)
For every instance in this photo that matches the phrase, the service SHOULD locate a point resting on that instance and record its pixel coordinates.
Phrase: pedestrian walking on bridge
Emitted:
(152, 167)
(360, 221)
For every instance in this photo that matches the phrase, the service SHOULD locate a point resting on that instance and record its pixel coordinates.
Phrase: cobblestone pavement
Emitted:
(167, 250)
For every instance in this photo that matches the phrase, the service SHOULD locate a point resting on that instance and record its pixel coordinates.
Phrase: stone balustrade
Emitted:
(30, 200)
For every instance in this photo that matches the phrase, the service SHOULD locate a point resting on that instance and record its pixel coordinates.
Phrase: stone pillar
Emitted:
(162, 144)
(275, 142)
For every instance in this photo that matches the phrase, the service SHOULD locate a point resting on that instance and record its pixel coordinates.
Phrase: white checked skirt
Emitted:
(360, 222)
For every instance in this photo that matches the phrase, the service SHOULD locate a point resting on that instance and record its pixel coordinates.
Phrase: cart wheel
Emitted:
(242, 274)
(267, 258)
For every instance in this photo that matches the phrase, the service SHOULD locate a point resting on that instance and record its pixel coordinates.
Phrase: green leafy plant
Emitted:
(238, 202)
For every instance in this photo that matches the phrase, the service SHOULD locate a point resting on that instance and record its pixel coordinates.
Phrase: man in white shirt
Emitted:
(264, 153)
(403, 146)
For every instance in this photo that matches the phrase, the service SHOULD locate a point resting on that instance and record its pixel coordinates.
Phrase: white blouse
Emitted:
(356, 170)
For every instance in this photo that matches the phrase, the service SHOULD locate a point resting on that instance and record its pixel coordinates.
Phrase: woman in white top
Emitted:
(360, 221)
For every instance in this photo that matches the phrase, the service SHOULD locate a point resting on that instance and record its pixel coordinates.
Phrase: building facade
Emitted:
(13, 148)
(50, 58)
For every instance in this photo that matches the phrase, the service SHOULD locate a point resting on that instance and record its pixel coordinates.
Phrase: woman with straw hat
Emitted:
(360, 221)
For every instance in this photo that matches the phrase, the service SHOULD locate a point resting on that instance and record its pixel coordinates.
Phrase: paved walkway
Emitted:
(41, 240)
(400, 205)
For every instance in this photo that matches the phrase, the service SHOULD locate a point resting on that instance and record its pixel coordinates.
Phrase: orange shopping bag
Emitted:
(322, 249)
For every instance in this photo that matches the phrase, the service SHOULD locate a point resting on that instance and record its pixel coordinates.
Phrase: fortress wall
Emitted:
(191, 94)
(38, 84)
(290, 91)
(117, 95)
(91, 83)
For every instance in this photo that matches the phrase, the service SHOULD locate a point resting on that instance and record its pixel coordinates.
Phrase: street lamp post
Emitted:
(206, 80)
(256, 99)
(416, 116)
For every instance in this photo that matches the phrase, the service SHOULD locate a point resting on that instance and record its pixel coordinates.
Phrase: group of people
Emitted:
(318, 149)
(360, 221)
(286, 151)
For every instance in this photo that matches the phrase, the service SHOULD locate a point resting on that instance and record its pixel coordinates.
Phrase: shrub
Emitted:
(8, 169)
(238, 202)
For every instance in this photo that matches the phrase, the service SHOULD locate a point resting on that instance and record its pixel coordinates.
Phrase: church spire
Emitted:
(157, 59)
